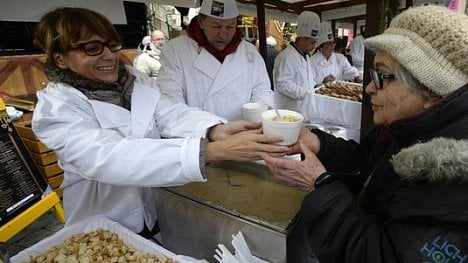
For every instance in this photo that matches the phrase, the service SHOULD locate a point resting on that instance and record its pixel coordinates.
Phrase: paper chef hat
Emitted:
(221, 9)
(326, 33)
(308, 24)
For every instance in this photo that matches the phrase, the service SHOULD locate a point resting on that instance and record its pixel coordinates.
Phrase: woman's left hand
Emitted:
(297, 173)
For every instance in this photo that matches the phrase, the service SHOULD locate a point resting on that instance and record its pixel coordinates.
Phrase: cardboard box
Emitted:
(92, 224)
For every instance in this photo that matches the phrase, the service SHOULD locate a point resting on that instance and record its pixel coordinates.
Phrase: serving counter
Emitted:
(245, 197)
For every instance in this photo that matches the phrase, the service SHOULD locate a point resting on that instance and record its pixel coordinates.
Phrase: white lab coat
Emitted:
(337, 65)
(357, 51)
(148, 62)
(190, 74)
(111, 157)
(293, 76)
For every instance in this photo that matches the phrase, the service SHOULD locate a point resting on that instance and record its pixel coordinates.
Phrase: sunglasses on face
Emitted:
(378, 77)
(94, 48)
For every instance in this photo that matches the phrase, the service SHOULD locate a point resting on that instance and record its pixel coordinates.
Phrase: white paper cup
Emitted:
(289, 130)
(252, 111)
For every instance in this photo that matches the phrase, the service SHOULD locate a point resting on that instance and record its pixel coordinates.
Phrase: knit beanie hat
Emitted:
(221, 9)
(325, 33)
(308, 25)
(431, 42)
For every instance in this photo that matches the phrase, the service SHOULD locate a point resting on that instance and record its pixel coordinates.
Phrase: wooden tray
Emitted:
(50, 170)
(55, 181)
(25, 131)
(35, 146)
(45, 158)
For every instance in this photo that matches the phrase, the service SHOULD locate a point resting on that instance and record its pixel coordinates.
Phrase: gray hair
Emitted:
(407, 79)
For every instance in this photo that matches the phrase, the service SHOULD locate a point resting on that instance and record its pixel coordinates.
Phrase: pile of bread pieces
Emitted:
(341, 90)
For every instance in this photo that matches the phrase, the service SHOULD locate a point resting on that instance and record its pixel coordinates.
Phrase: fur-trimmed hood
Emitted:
(440, 159)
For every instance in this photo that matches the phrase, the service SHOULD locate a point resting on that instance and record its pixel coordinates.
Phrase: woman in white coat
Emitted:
(292, 72)
(212, 67)
(329, 65)
(105, 121)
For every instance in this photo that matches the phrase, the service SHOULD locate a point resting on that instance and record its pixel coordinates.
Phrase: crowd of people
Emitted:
(119, 131)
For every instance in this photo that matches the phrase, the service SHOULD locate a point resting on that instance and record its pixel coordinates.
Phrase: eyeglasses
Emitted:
(378, 77)
(95, 48)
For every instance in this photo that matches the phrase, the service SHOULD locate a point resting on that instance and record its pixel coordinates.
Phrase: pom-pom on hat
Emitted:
(431, 42)
(325, 33)
(221, 9)
(308, 25)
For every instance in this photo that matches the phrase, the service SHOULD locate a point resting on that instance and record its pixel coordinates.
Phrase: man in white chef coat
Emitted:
(292, 72)
(212, 67)
(329, 65)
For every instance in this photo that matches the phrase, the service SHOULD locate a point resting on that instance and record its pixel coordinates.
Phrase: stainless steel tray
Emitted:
(245, 197)
(248, 191)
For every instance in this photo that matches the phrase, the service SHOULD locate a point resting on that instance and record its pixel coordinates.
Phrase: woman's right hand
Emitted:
(246, 146)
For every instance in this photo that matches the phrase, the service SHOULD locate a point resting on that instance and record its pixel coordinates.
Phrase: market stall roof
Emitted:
(282, 10)
(286, 10)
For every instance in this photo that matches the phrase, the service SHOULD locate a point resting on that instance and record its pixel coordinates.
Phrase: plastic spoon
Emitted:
(277, 114)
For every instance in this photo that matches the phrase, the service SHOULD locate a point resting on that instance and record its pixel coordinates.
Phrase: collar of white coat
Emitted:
(144, 100)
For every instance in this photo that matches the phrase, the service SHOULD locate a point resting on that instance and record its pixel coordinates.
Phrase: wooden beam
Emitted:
(261, 28)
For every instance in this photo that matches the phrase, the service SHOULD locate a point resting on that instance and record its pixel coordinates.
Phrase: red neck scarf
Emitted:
(194, 31)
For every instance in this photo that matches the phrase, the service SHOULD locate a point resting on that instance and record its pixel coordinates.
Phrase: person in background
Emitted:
(329, 65)
(292, 73)
(213, 67)
(340, 48)
(148, 61)
(357, 51)
(144, 45)
(105, 121)
(402, 194)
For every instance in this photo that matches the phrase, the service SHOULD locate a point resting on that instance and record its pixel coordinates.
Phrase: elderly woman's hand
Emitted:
(223, 131)
(297, 173)
(307, 139)
(245, 146)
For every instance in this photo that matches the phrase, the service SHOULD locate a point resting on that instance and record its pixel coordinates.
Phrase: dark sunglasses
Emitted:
(378, 77)
(95, 48)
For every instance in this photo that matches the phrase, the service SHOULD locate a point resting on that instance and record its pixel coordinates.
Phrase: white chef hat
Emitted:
(308, 24)
(326, 33)
(221, 9)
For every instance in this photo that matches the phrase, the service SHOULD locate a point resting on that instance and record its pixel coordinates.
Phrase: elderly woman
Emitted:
(105, 121)
(402, 194)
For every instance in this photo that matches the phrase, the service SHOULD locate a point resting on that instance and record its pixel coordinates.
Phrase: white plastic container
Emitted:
(288, 129)
(252, 111)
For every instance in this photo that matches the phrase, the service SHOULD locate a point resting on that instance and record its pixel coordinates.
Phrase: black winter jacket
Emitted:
(415, 205)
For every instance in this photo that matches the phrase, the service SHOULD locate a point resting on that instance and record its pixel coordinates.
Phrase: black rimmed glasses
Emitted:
(94, 48)
(378, 77)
